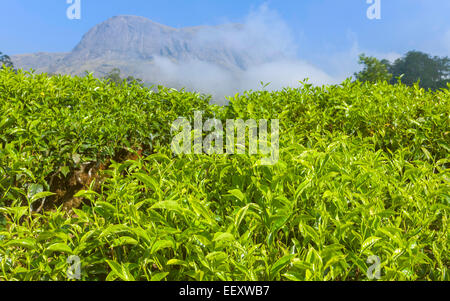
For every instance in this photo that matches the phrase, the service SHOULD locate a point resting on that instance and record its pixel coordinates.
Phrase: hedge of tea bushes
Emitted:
(53, 124)
(362, 173)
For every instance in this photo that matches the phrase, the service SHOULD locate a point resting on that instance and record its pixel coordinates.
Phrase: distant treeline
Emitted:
(415, 66)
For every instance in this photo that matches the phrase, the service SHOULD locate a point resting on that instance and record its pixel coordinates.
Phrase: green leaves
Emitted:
(238, 194)
(59, 247)
(363, 171)
(162, 244)
(121, 271)
(41, 195)
(369, 242)
(223, 237)
(124, 241)
(168, 205)
(148, 181)
(29, 244)
(279, 265)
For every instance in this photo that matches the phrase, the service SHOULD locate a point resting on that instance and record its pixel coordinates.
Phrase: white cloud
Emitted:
(265, 42)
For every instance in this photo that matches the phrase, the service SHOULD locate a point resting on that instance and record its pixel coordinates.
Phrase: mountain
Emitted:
(134, 44)
(41, 61)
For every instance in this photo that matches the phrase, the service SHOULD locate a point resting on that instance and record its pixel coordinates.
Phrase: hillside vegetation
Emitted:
(86, 169)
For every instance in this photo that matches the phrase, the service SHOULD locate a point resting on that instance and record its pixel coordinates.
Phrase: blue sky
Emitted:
(329, 33)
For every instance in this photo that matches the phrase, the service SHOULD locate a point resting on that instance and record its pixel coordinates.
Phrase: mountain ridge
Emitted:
(131, 43)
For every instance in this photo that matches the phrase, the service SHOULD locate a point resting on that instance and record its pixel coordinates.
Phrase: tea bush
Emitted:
(363, 171)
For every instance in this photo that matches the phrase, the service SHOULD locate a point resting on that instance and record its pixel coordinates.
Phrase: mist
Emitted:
(267, 53)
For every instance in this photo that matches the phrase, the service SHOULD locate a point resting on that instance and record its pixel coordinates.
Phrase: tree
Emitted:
(114, 76)
(131, 79)
(432, 72)
(5, 60)
(374, 70)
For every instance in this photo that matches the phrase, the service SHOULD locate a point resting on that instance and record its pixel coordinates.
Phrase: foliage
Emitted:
(433, 72)
(5, 61)
(363, 171)
(374, 70)
(114, 77)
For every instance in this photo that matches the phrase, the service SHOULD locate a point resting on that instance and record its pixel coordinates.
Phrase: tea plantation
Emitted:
(87, 172)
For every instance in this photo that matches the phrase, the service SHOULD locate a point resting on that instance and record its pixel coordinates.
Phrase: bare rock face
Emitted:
(130, 41)
(41, 61)
(126, 37)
